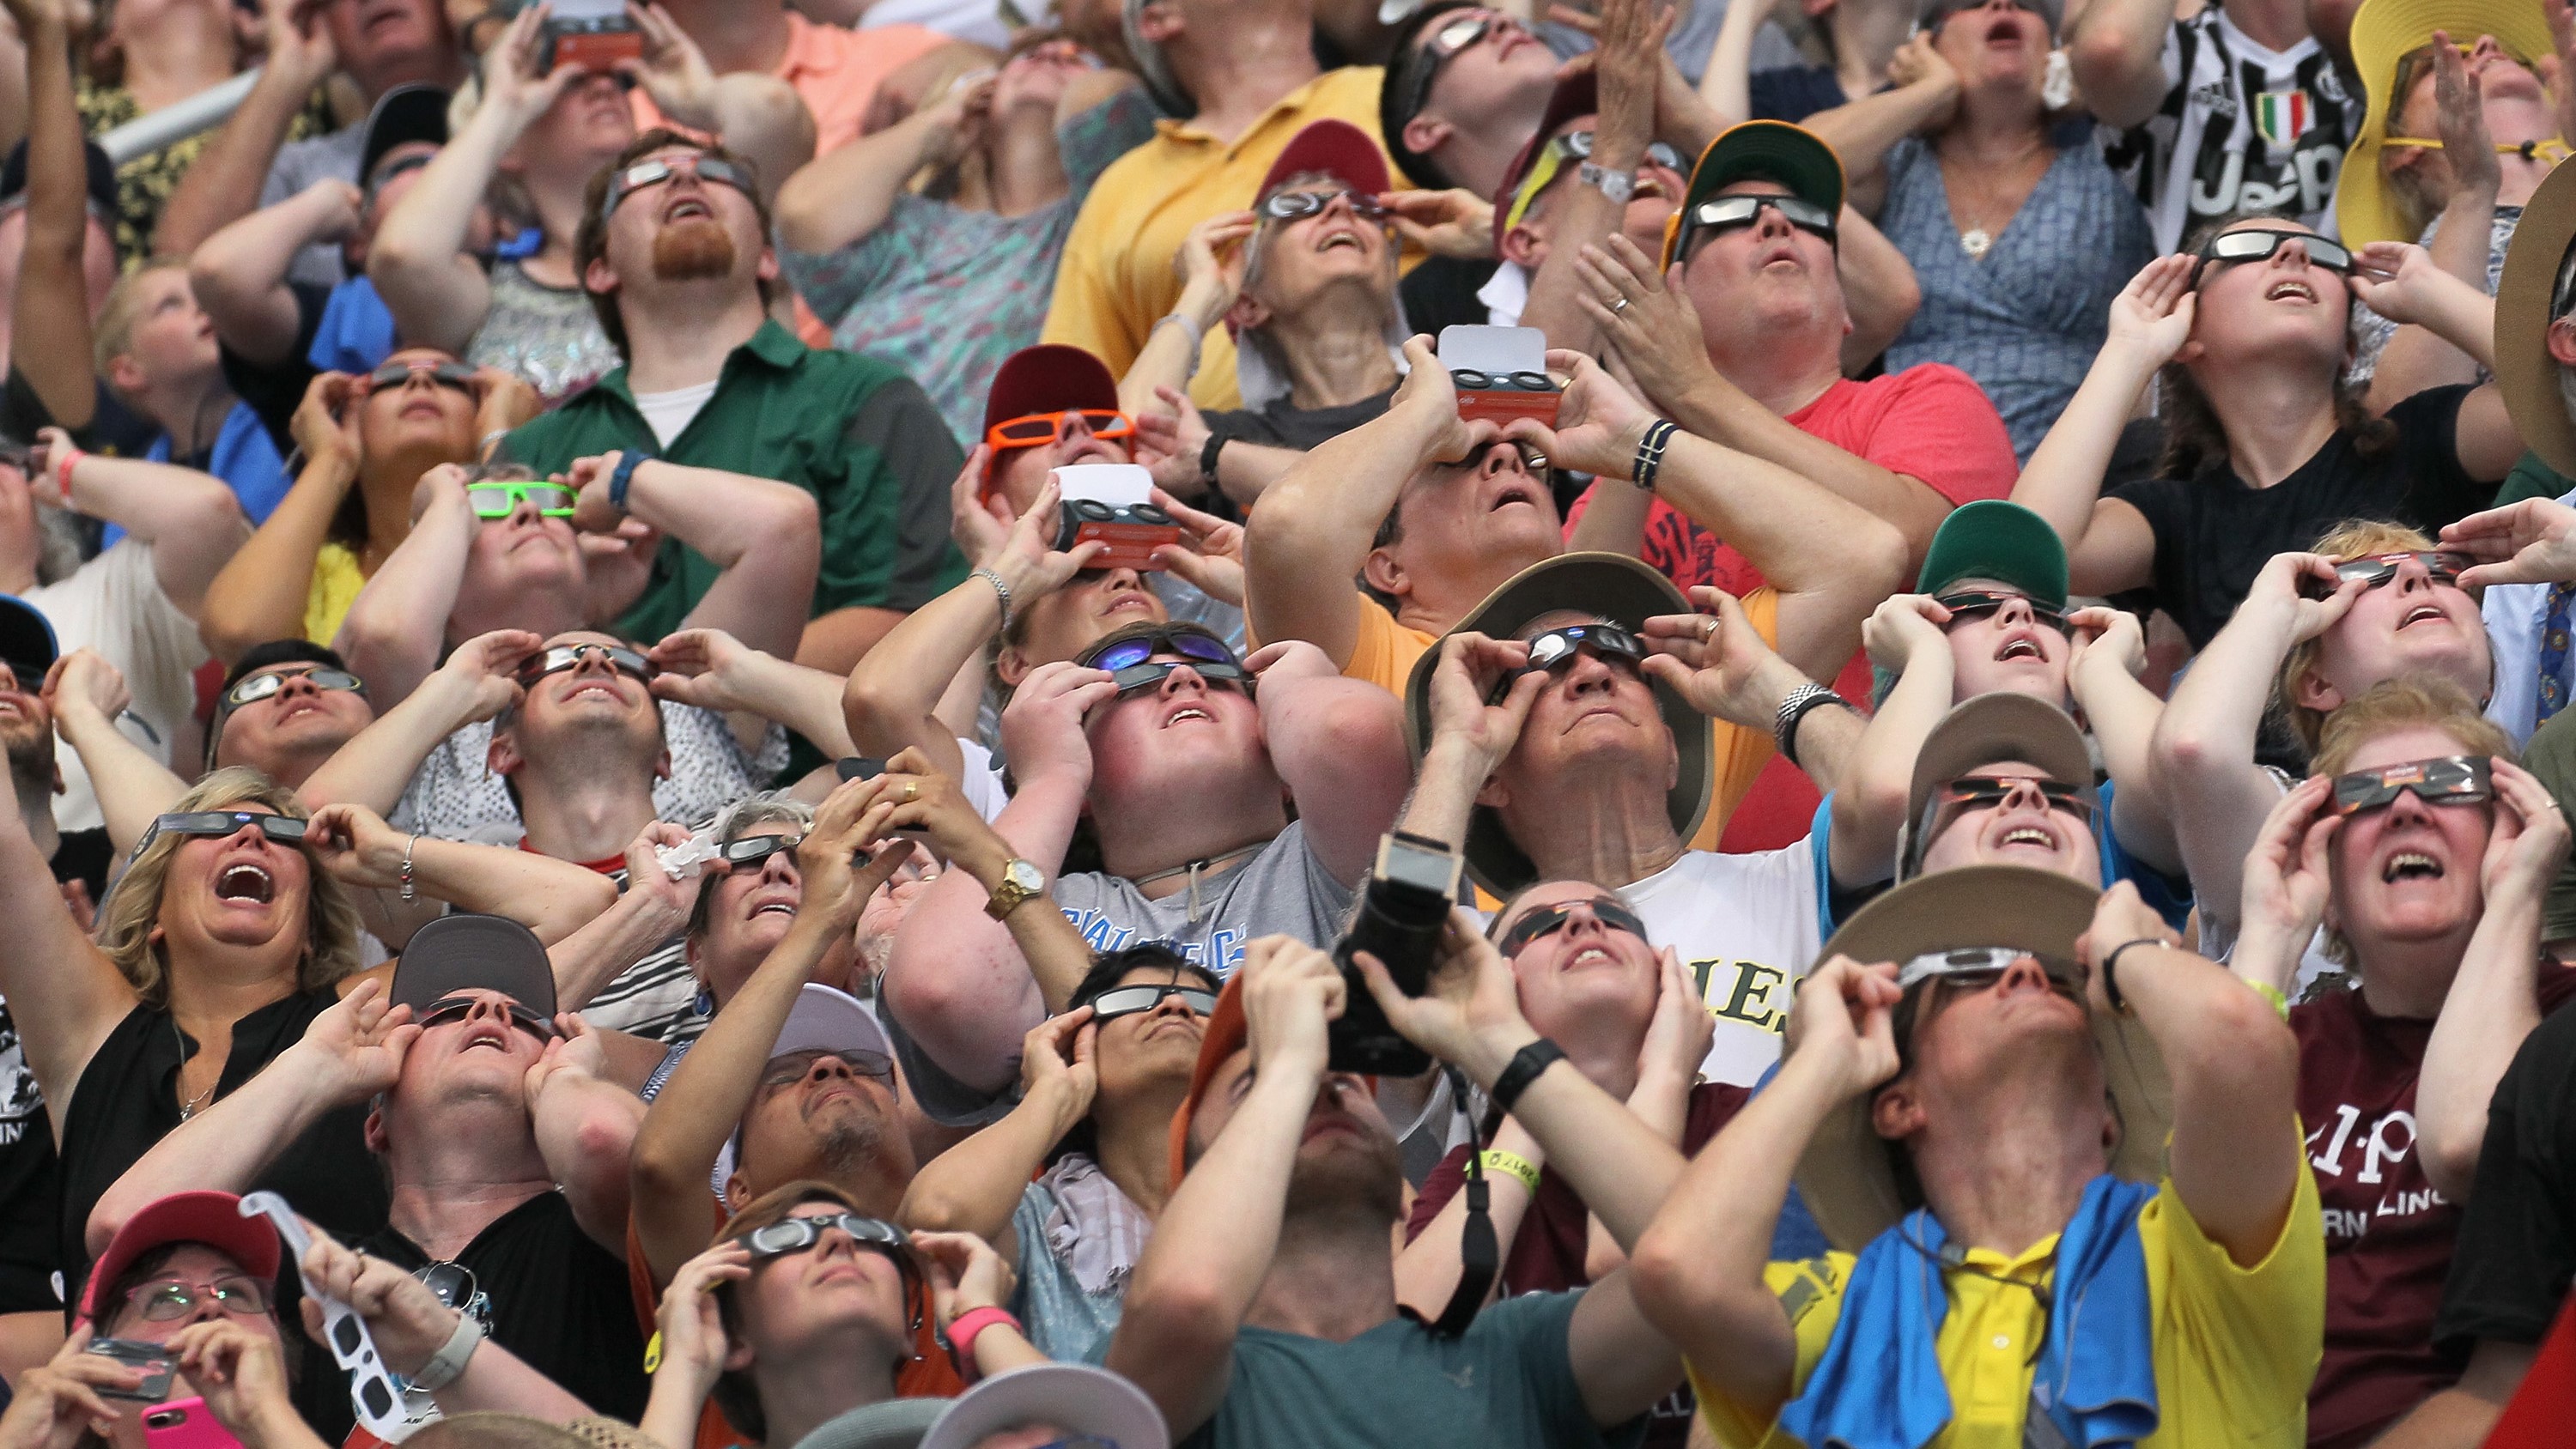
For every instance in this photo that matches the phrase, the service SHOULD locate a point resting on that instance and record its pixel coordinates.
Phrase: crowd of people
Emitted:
(854, 724)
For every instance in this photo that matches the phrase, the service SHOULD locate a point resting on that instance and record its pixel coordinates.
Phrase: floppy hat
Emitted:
(1845, 1174)
(1076, 1398)
(211, 1218)
(466, 951)
(2525, 372)
(1761, 150)
(888, 1424)
(1988, 728)
(1993, 538)
(2382, 31)
(1226, 1033)
(823, 1019)
(1607, 586)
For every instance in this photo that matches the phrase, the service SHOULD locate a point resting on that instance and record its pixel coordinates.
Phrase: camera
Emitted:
(592, 34)
(1500, 373)
(1402, 911)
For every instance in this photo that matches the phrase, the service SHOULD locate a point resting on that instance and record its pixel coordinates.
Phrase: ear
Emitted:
(737, 1358)
(599, 276)
(124, 375)
(1524, 246)
(1386, 575)
(1494, 794)
(1246, 313)
(767, 271)
(1160, 24)
(2191, 349)
(1896, 1115)
(1011, 666)
(1672, 765)
(2312, 691)
(662, 764)
(503, 757)
(1423, 135)
(377, 1142)
(2562, 341)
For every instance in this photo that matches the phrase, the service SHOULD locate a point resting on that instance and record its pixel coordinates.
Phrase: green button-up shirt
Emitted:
(849, 429)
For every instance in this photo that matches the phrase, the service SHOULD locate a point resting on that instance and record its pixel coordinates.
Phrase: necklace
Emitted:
(188, 1106)
(1975, 239)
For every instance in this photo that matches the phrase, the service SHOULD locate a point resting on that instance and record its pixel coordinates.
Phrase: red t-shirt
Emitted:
(2388, 1233)
(1546, 1255)
(1930, 422)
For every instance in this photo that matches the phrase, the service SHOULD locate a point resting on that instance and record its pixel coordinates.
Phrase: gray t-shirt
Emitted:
(298, 165)
(1282, 889)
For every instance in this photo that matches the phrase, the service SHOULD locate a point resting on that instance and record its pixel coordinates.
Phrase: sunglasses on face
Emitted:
(455, 1286)
(787, 1069)
(500, 500)
(1036, 430)
(753, 849)
(1976, 604)
(2453, 780)
(1987, 792)
(261, 686)
(1974, 968)
(1547, 920)
(1577, 146)
(216, 824)
(1732, 213)
(571, 656)
(448, 1009)
(1135, 649)
(796, 1235)
(2258, 244)
(1446, 41)
(453, 375)
(661, 169)
(1555, 651)
(1296, 205)
(2377, 570)
(1138, 678)
(167, 1300)
(1108, 1006)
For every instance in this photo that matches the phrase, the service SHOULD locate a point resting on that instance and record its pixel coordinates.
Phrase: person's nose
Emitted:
(8, 680)
(1771, 222)
(1072, 426)
(523, 514)
(2025, 794)
(298, 686)
(593, 660)
(1122, 580)
(2024, 974)
(780, 867)
(1183, 677)
(2408, 809)
(2413, 576)
(1172, 1004)
(1498, 458)
(2293, 255)
(1588, 672)
(828, 1066)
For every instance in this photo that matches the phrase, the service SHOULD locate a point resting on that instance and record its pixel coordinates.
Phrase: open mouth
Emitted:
(599, 687)
(1130, 601)
(1189, 712)
(497, 1038)
(2290, 288)
(1590, 956)
(2411, 865)
(2031, 836)
(2419, 614)
(244, 881)
(775, 908)
(1511, 493)
(2003, 32)
(1341, 237)
(1089, 449)
(2019, 647)
(688, 208)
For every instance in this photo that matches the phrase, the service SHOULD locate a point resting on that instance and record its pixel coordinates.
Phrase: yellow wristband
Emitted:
(652, 1347)
(2273, 995)
(1511, 1164)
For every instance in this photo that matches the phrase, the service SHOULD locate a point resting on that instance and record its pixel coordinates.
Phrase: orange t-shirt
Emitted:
(836, 71)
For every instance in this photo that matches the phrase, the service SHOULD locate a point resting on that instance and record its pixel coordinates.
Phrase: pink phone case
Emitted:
(185, 1424)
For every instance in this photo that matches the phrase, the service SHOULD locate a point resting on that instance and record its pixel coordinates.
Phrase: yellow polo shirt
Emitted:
(2234, 1347)
(1116, 279)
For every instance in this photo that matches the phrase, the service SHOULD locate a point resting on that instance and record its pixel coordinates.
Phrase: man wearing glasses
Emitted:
(674, 248)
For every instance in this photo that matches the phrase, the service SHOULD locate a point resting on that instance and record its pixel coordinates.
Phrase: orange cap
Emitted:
(1227, 1033)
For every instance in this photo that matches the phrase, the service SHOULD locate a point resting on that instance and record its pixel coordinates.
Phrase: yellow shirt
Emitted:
(336, 582)
(1385, 651)
(1116, 279)
(2234, 1347)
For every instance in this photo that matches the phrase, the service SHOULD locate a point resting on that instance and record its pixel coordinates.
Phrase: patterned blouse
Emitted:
(548, 336)
(144, 184)
(945, 293)
(2025, 319)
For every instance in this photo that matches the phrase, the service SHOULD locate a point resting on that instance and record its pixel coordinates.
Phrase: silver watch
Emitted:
(1617, 185)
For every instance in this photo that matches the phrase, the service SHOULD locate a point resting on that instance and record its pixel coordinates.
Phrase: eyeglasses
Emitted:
(787, 1068)
(1578, 145)
(1108, 1006)
(2452, 780)
(1556, 649)
(453, 375)
(662, 168)
(1295, 205)
(1194, 645)
(1447, 40)
(1729, 213)
(1547, 920)
(2376, 570)
(456, 1008)
(571, 656)
(2256, 244)
(1976, 604)
(456, 1287)
(1974, 968)
(753, 849)
(217, 824)
(1034, 430)
(167, 1300)
(795, 1235)
(501, 499)
(261, 686)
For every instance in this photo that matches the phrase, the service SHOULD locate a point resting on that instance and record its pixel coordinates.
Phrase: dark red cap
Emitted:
(1576, 95)
(1048, 378)
(211, 1218)
(1330, 148)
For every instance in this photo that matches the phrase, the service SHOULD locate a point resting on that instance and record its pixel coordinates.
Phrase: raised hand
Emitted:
(2528, 841)
(703, 667)
(59, 1405)
(2393, 278)
(1455, 223)
(356, 846)
(325, 425)
(1427, 393)
(2531, 542)
(1902, 625)
(579, 1053)
(2107, 633)
(83, 680)
(1680, 1032)
(240, 1374)
(404, 1317)
(965, 1274)
(2285, 582)
(1598, 422)
(1042, 726)
(1210, 557)
(1480, 697)
(2151, 318)
(356, 1048)
(487, 666)
(2460, 120)
(1844, 1018)
(2288, 876)
(850, 819)
(1211, 256)
(2119, 917)
(1716, 661)
(514, 78)
(1469, 1012)
(691, 1327)
(1170, 440)
(1648, 328)
(1292, 992)
(1057, 1056)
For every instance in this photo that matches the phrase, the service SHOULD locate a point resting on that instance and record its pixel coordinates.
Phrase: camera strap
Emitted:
(1479, 1252)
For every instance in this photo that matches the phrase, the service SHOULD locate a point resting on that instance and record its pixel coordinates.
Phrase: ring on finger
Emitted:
(911, 791)
(1619, 306)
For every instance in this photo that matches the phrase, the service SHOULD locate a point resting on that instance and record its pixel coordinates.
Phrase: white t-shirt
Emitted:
(1745, 928)
(115, 606)
(1505, 294)
(670, 413)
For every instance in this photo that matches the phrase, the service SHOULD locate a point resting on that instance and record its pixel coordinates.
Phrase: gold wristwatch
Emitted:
(1021, 879)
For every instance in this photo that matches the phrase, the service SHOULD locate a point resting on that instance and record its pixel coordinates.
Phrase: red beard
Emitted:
(696, 249)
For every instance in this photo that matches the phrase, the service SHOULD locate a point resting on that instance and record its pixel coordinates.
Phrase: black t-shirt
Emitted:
(30, 1190)
(1282, 425)
(113, 428)
(1792, 93)
(277, 390)
(2213, 533)
(2516, 1250)
(558, 1300)
(1442, 293)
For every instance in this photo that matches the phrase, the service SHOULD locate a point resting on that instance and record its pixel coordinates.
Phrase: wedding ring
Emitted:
(911, 791)
(1619, 306)
(1707, 630)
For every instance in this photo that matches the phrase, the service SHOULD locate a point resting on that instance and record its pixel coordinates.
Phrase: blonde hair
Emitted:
(2351, 539)
(2411, 701)
(133, 909)
(113, 334)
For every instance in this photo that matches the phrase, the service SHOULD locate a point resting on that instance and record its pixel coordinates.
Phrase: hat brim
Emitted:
(1075, 1398)
(1051, 377)
(824, 1018)
(1844, 1174)
(2382, 32)
(1332, 148)
(212, 1218)
(1608, 586)
(1994, 538)
(1994, 727)
(27, 637)
(2525, 372)
(1774, 150)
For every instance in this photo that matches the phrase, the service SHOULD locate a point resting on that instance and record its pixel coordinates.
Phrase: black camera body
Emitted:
(1402, 911)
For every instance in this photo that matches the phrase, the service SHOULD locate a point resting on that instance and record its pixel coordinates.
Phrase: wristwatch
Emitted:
(1021, 879)
(1617, 185)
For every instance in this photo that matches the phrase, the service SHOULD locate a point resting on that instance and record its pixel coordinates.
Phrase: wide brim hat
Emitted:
(1607, 586)
(1846, 1175)
(2525, 372)
(2382, 31)
(1995, 538)
(1988, 729)
(1076, 1398)
(1793, 156)
(468, 952)
(886, 1424)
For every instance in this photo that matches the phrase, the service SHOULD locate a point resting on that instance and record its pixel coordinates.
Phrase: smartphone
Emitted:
(152, 1360)
(185, 1424)
(1500, 373)
(373, 1393)
(591, 34)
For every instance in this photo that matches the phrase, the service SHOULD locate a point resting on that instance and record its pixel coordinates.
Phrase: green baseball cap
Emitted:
(1762, 151)
(2005, 542)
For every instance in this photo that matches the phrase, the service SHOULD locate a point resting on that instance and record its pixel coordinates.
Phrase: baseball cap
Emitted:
(1845, 1174)
(1330, 148)
(401, 116)
(823, 1019)
(99, 181)
(211, 1218)
(471, 952)
(888, 1424)
(1607, 586)
(1076, 1398)
(1992, 538)
(26, 640)
(1988, 729)
(1761, 150)
(1048, 378)
(1227, 1032)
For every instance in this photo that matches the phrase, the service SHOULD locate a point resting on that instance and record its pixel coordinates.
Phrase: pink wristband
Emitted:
(62, 471)
(963, 1331)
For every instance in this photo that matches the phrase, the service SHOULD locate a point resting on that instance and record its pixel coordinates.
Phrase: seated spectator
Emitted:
(250, 165)
(287, 729)
(950, 280)
(2242, 481)
(2426, 852)
(366, 442)
(1186, 760)
(674, 250)
(1067, 1186)
(494, 1123)
(534, 141)
(1245, 73)
(835, 70)
(1264, 1308)
(1991, 1030)
(1630, 1019)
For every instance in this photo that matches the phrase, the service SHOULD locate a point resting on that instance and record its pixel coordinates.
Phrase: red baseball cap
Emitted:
(211, 1218)
(1048, 378)
(1576, 95)
(1330, 148)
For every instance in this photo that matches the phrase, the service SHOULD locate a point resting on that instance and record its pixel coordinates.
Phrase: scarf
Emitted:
(1093, 1229)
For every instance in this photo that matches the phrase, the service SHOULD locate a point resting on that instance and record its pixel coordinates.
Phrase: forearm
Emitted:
(1869, 802)
(131, 785)
(1213, 1244)
(849, 191)
(49, 341)
(417, 257)
(223, 184)
(1057, 956)
(1427, 1269)
(585, 1128)
(807, 701)
(762, 117)
(671, 1414)
(892, 698)
(1619, 1166)
(2063, 479)
(975, 1186)
(1722, 414)
(2235, 1153)
(2202, 754)
(2117, 49)
(1726, 82)
(2491, 1006)
(225, 1147)
(597, 953)
(765, 536)
(2461, 315)
(2123, 713)
(1316, 524)
(1170, 357)
(374, 768)
(498, 1381)
(836, 641)
(1861, 131)
(397, 625)
(1794, 531)
(1245, 471)
(1444, 792)
(1582, 216)
(553, 898)
(1613, 521)
(260, 593)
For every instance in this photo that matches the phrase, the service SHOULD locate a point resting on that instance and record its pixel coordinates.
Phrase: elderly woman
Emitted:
(2019, 234)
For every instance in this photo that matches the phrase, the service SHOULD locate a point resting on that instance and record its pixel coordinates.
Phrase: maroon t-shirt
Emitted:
(1546, 1255)
(2388, 1233)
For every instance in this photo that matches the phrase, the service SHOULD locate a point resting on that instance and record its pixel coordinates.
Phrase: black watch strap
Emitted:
(1524, 1068)
(1207, 455)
